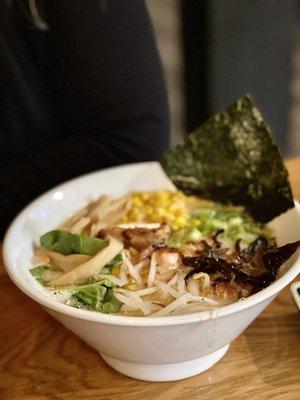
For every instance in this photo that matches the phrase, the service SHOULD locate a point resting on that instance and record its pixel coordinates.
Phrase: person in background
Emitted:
(81, 88)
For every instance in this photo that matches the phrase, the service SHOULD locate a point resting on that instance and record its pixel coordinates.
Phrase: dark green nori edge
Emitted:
(233, 158)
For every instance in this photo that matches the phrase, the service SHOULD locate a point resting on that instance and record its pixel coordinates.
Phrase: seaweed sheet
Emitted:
(233, 158)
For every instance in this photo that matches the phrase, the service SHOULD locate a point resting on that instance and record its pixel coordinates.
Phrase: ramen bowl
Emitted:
(156, 348)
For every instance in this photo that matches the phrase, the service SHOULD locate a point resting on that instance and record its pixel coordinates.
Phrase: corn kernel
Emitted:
(161, 206)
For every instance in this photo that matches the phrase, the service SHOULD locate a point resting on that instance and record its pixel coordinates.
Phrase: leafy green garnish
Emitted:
(108, 267)
(111, 304)
(38, 273)
(89, 297)
(184, 235)
(234, 223)
(95, 296)
(232, 158)
(68, 243)
(45, 273)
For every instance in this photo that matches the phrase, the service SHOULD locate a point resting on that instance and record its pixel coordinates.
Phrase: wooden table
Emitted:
(40, 359)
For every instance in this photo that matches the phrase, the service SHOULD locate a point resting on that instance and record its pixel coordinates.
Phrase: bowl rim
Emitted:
(110, 319)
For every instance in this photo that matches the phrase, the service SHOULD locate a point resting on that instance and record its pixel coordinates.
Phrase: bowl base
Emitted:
(165, 372)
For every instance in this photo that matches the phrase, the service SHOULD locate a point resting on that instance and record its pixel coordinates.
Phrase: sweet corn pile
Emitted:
(161, 206)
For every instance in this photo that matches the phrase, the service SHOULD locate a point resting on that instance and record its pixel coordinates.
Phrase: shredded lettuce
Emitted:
(45, 273)
(69, 243)
(234, 222)
(95, 296)
(109, 266)
(38, 273)
(184, 235)
(111, 304)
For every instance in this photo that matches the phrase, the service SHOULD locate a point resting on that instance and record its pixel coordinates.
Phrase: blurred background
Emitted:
(65, 86)
(214, 51)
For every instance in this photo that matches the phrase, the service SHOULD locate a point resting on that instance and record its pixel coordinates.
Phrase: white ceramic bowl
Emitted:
(155, 349)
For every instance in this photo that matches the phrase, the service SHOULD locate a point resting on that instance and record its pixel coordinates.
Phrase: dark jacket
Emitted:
(86, 94)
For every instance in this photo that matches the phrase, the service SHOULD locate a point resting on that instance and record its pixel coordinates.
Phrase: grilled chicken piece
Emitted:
(139, 238)
(115, 232)
(167, 260)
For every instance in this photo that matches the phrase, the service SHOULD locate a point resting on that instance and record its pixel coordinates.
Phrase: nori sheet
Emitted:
(233, 158)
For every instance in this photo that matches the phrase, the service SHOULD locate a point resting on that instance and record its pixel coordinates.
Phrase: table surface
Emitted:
(40, 359)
